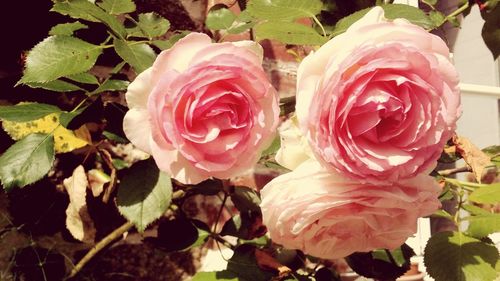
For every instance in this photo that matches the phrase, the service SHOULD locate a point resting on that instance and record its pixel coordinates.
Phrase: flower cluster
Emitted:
(374, 107)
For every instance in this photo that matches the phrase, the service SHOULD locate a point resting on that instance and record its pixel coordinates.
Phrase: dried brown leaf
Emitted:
(473, 156)
(78, 220)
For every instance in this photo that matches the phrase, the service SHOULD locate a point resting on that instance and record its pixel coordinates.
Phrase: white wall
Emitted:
(472, 58)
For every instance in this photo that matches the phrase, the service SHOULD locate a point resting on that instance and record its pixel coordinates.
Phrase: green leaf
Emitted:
(111, 85)
(65, 8)
(162, 44)
(246, 225)
(117, 7)
(242, 23)
(27, 161)
(58, 56)
(175, 235)
(91, 113)
(283, 10)
(244, 265)
(289, 33)
(442, 214)
(447, 193)
(120, 164)
(483, 225)
(488, 194)
(219, 17)
(203, 233)
(150, 25)
(144, 194)
(342, 25)
(437, 17)
(245, 199)
(114, 137)
(26, 111)
(66, 117)
(83, 9)
(491, 31)
(166, 44)
(139, 56)
(67, 28)
(56, 86)
(240, 27)
(224, 275)
(85, 78)
(259, 241)
(118, 67)
(273, 147)
(207, 187)
(326, 274)
(492, 151)
(455, 256)
(180, 234)
(474, 210)
(382, 264)
(412, 14)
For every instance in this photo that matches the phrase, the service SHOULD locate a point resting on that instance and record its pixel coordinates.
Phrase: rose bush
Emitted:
(330, 216)
(379, 101)
(203, 109)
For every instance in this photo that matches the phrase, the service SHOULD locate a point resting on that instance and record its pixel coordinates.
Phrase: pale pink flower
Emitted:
(331, 216)
(203, 109)
(379, 101)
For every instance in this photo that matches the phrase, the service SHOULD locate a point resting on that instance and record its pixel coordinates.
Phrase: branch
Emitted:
(99, 246)
(449, 172)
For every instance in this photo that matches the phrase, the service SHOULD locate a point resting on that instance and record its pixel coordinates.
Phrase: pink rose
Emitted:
(203, 109)
(330, 216)
(379, 101)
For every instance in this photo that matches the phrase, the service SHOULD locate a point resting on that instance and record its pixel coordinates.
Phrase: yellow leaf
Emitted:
(65, 140)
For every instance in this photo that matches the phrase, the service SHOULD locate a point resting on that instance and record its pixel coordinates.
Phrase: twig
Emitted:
(220, 211)
(106, 156)
(99, 246)
(217, 238)
(449, 172)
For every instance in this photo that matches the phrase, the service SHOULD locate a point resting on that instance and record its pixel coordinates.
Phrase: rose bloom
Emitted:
(330, 216)
(203, 109)
(379, 101)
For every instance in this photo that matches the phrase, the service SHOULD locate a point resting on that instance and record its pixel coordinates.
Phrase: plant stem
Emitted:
(454, 14)
(220, 211)
(469, 186)
(450, 172)
(99, 246)
(320, 25)
(217, 238)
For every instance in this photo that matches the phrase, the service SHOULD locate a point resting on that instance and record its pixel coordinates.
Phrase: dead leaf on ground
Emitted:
(473, 156)
(78, 220)
(266, 261)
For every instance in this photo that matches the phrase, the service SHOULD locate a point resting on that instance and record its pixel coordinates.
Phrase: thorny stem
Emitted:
(99, 246)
